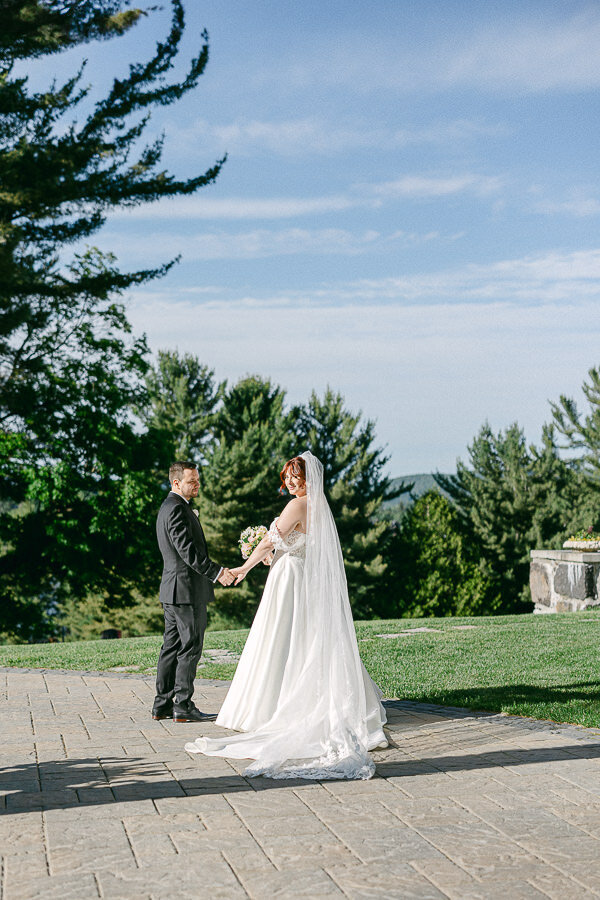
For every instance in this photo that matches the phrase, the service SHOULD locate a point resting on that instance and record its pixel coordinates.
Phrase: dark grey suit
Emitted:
(185, 589)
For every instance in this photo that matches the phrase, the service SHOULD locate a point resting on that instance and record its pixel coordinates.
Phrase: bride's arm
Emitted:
(258, 554)
(292, 515)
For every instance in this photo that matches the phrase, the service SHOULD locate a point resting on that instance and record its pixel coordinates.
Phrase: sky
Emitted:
(409, 212)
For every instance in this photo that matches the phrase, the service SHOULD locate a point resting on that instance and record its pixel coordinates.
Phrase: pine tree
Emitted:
(356, 487)
(79, 481)
(60, 178)
(581, 437)
(181, 396)
(240, 484)
(510, 500)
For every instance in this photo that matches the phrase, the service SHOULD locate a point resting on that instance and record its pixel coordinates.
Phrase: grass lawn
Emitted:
(547, 667)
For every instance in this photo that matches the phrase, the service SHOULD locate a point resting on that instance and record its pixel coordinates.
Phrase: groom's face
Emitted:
(189, 484)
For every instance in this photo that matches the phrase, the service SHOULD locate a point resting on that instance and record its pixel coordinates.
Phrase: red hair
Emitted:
(295, 466)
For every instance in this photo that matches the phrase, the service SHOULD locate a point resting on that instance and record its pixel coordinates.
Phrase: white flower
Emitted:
(196, 513)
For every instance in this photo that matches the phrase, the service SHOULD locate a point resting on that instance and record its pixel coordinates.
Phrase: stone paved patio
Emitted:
(97, 800)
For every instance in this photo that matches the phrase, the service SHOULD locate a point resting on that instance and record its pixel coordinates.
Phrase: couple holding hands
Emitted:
(301, 700)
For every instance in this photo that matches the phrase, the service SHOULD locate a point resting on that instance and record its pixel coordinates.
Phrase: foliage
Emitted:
(582, 432)
(436, 574)
(239, 482)
(356, 487)
(181, 396)
(32, 28)
(81, 489)
(511, 499)
(79, 483)
(86, 621)
(585, 534)
(581, 439)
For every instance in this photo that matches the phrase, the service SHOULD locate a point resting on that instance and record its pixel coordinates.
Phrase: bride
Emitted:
(301, 696)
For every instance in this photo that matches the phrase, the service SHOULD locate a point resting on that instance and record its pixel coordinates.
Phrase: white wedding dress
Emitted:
(301, 696)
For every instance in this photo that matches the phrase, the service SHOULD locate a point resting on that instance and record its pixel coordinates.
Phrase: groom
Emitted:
(185, 589)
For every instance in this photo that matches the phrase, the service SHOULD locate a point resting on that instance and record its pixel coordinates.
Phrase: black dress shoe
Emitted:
(163, 713)
(192, 715)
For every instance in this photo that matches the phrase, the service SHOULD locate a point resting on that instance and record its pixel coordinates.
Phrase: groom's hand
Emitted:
(226, 578)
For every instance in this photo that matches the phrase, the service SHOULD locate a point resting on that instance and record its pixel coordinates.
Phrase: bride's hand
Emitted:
(239, 573)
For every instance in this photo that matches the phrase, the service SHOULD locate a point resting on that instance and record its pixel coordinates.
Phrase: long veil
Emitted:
(320, 728)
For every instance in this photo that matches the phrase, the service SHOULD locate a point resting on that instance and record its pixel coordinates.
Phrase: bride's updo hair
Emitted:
(295, 466)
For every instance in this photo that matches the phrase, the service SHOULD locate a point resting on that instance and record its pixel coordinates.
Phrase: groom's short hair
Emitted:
(176, 469)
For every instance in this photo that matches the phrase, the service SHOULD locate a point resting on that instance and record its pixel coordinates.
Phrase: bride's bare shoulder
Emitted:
(293, 513)
(296, 505)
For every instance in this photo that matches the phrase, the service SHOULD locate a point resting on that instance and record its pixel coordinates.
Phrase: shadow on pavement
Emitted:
(68, 783)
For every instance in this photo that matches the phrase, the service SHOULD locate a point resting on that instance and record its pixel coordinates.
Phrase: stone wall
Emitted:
(564, 580)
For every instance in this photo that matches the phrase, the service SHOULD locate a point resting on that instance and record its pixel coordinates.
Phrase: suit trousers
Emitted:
(179, 655)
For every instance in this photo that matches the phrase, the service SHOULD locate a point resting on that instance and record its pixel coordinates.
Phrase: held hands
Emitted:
(227, 577)
(239, 574)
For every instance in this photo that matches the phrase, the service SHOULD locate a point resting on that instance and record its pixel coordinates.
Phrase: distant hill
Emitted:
(422, 483)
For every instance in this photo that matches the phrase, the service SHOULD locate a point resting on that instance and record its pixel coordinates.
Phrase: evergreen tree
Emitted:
(511, 499)
(61, 177)
(356, 487)
(79, 483)
(436, 575)
(240, 484)
(180, 404)
(581, 434)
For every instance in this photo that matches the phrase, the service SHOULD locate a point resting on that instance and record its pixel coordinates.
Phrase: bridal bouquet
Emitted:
(250, 538)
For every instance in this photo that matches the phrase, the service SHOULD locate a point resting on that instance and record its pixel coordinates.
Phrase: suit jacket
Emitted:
(188, 572)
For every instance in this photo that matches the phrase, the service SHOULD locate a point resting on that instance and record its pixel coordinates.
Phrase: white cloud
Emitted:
(532, 281)
(536, 55)
(317, 136)
(547, 278)
(416, 187)
(202, 207)
(531, 50)
(581, 207)
(263, 243)
(420, 186)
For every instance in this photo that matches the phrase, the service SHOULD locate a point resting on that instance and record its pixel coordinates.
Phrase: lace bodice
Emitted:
(294, 543)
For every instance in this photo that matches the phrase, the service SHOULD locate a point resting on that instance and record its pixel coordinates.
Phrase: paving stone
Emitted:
(310, 882)
(21, 833)
(26, 865)
(248, 859)
(443, 873)
(211, 841)
(281, 802)
(385, 843)
(560, 850)
(199, 878)
(61, 887)
(365, 882)
(557, 886)
(518, 891)
(153, 823)
(149, 848)
(288, 826)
